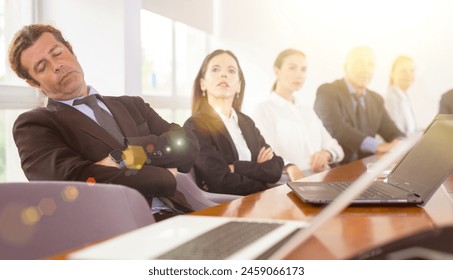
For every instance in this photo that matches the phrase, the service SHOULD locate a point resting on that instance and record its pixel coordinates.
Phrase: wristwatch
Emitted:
(117, 156)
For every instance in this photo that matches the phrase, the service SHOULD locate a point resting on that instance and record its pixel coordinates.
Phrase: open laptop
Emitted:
(412, 181)
(202, 237)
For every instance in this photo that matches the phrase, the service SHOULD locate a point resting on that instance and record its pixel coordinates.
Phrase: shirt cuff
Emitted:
(369, 144)
(333, 155)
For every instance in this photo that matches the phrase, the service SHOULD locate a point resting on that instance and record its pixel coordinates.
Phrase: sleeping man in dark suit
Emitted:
(353, 114)
(119, 140)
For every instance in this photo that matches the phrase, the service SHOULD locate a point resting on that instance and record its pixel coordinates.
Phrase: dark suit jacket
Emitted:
(60, 143)
(334, 106)
(217, 151)
(446, 103)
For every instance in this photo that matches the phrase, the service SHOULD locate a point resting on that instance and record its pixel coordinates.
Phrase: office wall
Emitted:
(196, 13)
(256, 30)
(105, 35)
(326, 29)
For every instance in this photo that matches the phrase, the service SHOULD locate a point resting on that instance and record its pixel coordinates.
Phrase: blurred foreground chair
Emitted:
(198, 198)
(39, 219)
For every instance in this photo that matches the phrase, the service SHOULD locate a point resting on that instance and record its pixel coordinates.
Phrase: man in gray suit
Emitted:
(353, 114)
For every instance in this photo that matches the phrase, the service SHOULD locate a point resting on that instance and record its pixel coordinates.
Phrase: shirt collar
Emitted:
(233, 116)
(69, 102)
(400, 92)
(280, 101)
(352, 90)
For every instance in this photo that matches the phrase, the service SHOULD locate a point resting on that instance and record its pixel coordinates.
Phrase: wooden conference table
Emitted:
(354, 230)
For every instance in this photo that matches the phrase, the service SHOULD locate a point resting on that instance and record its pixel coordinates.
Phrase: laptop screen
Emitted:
(429, 162)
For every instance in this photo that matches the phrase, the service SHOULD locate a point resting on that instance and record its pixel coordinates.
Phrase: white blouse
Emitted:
(232, 125)
(398, 106)
(294, 131)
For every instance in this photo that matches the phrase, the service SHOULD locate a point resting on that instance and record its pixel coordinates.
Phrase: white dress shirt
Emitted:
(232, 125)
(84, 108)
(294, 131)
(398, 106)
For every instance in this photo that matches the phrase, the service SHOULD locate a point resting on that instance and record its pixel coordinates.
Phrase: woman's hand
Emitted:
(294, 172)
(319, 160)
(265, 154)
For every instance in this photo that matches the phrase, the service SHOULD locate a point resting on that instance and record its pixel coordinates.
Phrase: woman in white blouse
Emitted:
(397, 101)
(292, 128)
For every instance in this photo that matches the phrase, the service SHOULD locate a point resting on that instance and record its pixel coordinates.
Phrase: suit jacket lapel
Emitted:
(370, 110)
(71, 116)
(216, 125)
(348, 101)
(122, 116)
(249, 136)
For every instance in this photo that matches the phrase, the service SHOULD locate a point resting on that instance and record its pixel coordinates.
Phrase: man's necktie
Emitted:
(104, 119)
(361, 115)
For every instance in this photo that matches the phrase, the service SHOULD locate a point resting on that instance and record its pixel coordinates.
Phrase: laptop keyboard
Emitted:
(220, 242)
(368, 193)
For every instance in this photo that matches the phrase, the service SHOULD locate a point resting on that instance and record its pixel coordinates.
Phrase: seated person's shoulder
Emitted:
(195, 122)
(132, 103)
(35, 114)
(37, 117)
(376, 96)
(127, 99)
(324, 87)
(329, 87)
(448, 94)
(246, 117)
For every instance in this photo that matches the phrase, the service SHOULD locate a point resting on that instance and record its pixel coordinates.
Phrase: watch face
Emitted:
(117, 155)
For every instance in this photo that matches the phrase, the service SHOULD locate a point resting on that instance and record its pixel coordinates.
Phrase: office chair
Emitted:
(198, 198)
(39, 219)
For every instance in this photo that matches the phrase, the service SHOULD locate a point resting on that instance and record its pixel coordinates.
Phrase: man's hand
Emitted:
(108, 162)
(173, 171)
(386, 146)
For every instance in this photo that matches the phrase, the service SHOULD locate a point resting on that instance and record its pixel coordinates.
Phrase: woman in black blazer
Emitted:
(234, 158)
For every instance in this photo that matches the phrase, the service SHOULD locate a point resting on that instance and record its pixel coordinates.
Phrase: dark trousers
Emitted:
(165, 214)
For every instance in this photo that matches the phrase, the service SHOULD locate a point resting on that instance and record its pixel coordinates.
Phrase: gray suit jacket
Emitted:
(446, 103)
(334, 106)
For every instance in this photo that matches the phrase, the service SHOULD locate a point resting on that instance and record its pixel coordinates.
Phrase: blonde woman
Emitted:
(397, 99)
(292, 128)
